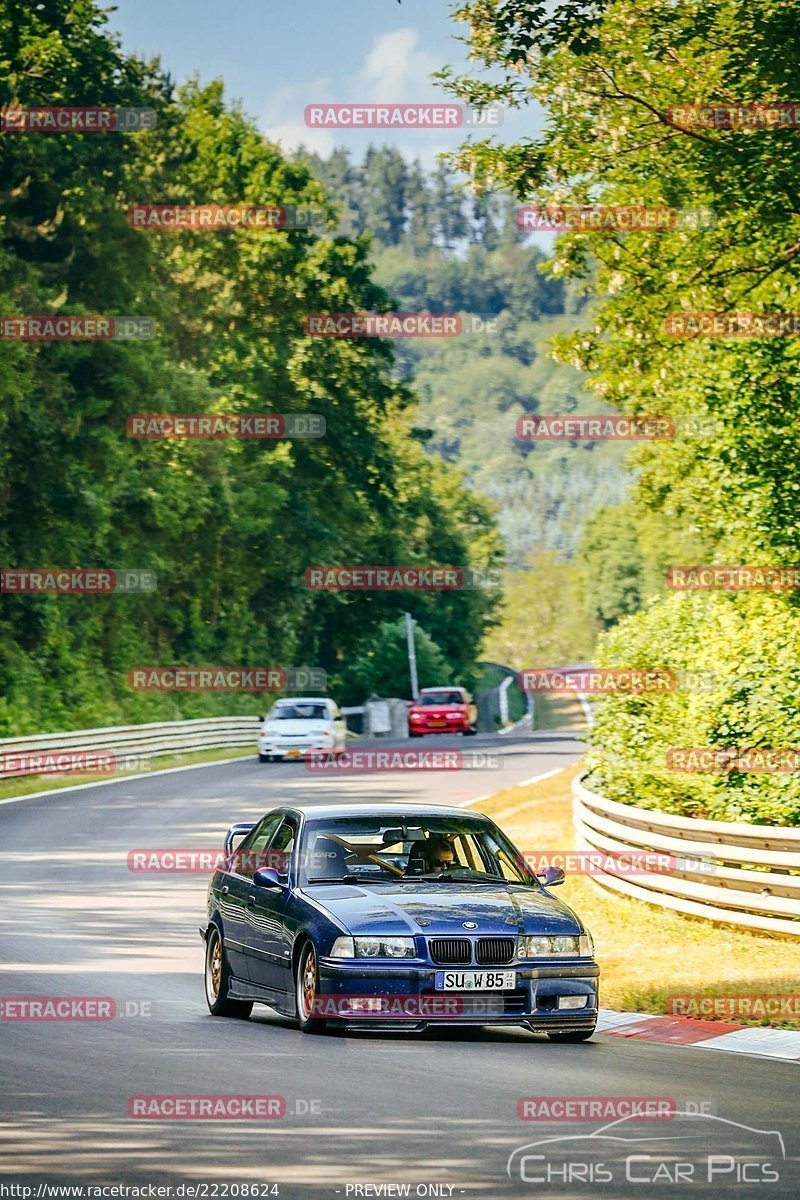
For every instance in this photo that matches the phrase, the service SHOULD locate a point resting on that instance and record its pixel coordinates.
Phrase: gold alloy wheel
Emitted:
(309, 983)
(215, 966)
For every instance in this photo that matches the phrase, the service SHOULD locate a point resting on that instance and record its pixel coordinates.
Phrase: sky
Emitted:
(277, 56)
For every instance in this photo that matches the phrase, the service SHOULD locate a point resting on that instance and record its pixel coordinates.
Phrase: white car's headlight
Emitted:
(541, 946)
(385, 947)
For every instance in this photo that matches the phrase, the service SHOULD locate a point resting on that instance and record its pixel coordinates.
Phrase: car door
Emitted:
(269, 944)
(235, 889)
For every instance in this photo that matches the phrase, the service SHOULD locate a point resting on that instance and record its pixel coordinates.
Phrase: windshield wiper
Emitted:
(355, 879)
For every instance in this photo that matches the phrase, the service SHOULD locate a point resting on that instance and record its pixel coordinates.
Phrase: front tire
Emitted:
(217, 978)
(581, 1035)
(264, 757)
(306, 990)
(470, 731)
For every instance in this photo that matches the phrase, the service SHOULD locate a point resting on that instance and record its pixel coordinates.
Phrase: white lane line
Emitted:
(476, 800)
(539, 778)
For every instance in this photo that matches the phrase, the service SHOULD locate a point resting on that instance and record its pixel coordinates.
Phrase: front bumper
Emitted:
(409, 999)
(292, 749)
(451, 727)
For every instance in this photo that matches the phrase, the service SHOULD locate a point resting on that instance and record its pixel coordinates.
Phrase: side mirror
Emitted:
(267, 877)
(552, 876)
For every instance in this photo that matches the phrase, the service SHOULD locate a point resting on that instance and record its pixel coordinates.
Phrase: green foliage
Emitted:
(625, 553)
(228, 527)
(542, 622)
(608, 73)
(737, 666)
(383, 670)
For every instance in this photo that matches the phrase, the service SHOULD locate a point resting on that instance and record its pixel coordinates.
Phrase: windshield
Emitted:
(299, 712)
(380, 850)
(441, 698)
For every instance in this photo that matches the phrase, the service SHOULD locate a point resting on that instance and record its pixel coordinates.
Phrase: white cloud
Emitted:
(397, 69)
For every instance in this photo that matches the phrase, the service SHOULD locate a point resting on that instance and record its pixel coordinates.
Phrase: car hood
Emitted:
(439, 909)
(436, 710)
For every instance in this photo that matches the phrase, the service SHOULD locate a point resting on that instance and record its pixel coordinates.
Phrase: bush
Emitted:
(737, 661)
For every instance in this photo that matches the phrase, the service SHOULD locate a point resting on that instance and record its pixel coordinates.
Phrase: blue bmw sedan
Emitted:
(393, 916)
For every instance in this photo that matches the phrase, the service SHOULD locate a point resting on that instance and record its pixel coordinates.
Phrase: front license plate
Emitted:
(437, 724)
(475, 981)
(293, 753)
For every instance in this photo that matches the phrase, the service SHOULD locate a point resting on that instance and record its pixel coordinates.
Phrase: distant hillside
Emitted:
(437, 249)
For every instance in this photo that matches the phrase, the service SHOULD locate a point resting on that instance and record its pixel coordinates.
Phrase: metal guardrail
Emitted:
(131, 741)
(755, 868)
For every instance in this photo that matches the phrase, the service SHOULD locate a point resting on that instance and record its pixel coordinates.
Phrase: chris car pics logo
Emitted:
(629, 1155)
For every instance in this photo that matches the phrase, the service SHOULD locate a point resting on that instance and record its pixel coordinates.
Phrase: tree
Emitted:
(383, 668)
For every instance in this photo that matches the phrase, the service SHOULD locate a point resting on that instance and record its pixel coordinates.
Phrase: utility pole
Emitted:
(412, 656)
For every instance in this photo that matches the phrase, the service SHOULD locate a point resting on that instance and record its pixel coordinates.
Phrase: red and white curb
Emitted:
(703, 1035)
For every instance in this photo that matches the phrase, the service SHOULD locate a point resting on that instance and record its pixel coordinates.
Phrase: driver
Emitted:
(438, 855)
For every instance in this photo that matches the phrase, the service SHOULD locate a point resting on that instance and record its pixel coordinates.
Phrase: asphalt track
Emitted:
(367, 1113)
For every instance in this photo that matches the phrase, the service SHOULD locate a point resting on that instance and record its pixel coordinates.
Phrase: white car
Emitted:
(293, 727)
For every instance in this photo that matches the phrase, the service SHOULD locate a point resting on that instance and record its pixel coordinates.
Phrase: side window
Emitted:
(281, 848)
(248, 858)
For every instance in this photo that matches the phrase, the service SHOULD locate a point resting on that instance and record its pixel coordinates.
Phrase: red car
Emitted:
(442, 710)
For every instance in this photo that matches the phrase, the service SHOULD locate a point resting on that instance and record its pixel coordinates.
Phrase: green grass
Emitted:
(24, 785)
(647, 953)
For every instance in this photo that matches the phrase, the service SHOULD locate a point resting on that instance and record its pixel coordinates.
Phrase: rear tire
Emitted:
(306, 990)
(217, 978)
(582, 1035)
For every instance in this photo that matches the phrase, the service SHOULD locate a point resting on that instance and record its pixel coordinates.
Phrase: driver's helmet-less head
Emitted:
(439, 854)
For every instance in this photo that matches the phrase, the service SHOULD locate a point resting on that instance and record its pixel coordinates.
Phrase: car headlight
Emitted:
(417, 717)
(343, 948)
(386, 947)
(540, 946)
(453, 716)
